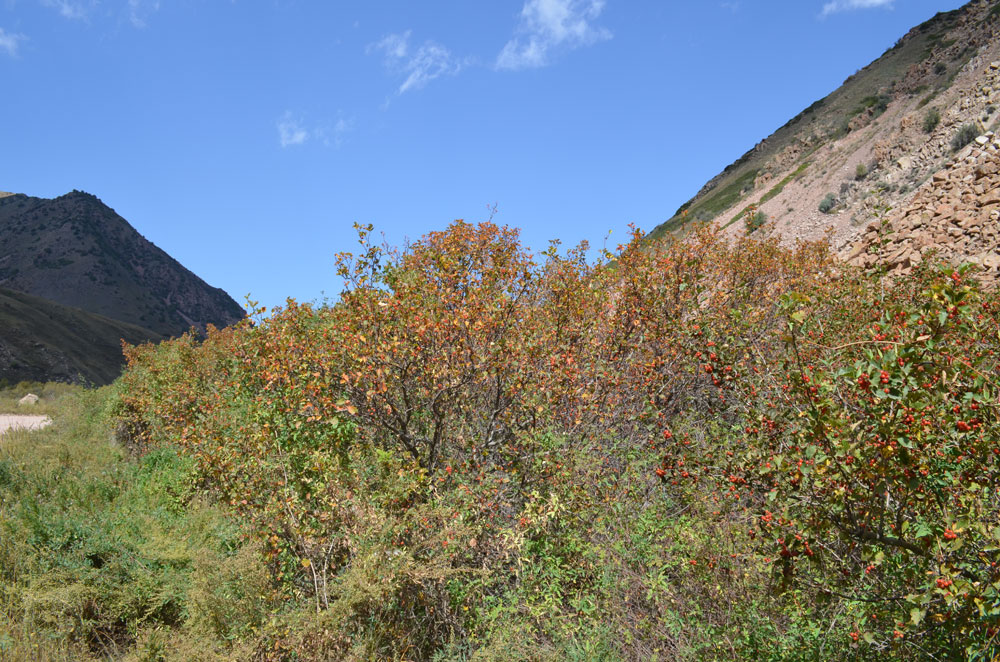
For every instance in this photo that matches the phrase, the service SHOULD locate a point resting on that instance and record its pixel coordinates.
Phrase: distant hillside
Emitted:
(77, 251)
(45, 341)
(867, 145)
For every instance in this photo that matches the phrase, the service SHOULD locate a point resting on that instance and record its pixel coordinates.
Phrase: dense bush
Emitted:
(964, 136)
(754, 219)
(828, 202)
(694, 450)
(931, 119)
(860, 172)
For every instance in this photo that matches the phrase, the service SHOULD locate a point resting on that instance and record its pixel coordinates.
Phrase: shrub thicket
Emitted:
(685, 451)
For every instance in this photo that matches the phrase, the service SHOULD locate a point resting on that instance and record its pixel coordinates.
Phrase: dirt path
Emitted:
(18, 421)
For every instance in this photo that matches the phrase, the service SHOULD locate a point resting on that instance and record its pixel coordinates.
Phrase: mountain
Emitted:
(45, 341)
(869, 151)
(76, 251)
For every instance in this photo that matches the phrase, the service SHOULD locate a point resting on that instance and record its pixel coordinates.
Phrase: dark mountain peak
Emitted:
(81, 195)
(77, 251)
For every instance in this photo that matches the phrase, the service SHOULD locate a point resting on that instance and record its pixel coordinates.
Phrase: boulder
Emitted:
(28, 400)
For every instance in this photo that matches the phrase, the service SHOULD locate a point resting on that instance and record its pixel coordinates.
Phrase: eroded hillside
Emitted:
(869, 145)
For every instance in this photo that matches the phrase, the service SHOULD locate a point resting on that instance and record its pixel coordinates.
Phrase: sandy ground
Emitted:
(15, 421)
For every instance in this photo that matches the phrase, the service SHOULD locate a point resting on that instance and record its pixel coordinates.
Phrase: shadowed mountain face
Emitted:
(45, 341)
(78, 252)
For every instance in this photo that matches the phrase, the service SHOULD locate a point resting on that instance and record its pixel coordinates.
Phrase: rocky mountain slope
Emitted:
(45, 341)
(76, 251)
(955, 217)
(865, 151)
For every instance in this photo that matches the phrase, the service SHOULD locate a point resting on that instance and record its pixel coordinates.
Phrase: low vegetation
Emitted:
(876, 103)
(690, 451)
(828, 202)
(707, 207)
(931, 119)
(754, 220)
(105, 557)
(773, 192)
(965, 135)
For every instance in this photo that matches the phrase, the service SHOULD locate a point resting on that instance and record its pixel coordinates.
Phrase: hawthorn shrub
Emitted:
(869, 459)
(675, 451)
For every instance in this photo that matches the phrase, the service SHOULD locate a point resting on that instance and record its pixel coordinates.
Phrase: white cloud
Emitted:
(10, 42)
(844, 5)
(290, 131)
(293, 131)
(395, 46)
(551, 25)
(421, 66)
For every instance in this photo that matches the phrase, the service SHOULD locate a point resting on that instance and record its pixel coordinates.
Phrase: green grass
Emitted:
(99, 552)
(707, 208)
(773, 192)
(879, 102)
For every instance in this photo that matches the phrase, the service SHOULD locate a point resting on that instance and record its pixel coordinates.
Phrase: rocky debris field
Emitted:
(955, 217)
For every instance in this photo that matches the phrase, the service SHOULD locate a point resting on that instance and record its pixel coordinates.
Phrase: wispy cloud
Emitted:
(136, 11)
(74, 11)
(140, 10)
(290, 131)
(845, 5)
(293, 131)
(333, 136)
(429, 61)
(548, 26)
(9, 43)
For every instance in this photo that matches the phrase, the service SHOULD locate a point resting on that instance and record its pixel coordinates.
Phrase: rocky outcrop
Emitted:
(954, 217)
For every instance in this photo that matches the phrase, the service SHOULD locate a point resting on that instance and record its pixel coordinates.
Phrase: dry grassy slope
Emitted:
(45, 341)
(76, 251)
(874, 119)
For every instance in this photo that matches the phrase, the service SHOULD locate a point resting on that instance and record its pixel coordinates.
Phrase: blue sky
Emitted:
(246, 137)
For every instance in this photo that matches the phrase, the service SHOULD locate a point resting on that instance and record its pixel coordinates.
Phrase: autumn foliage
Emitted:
(699, 449)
